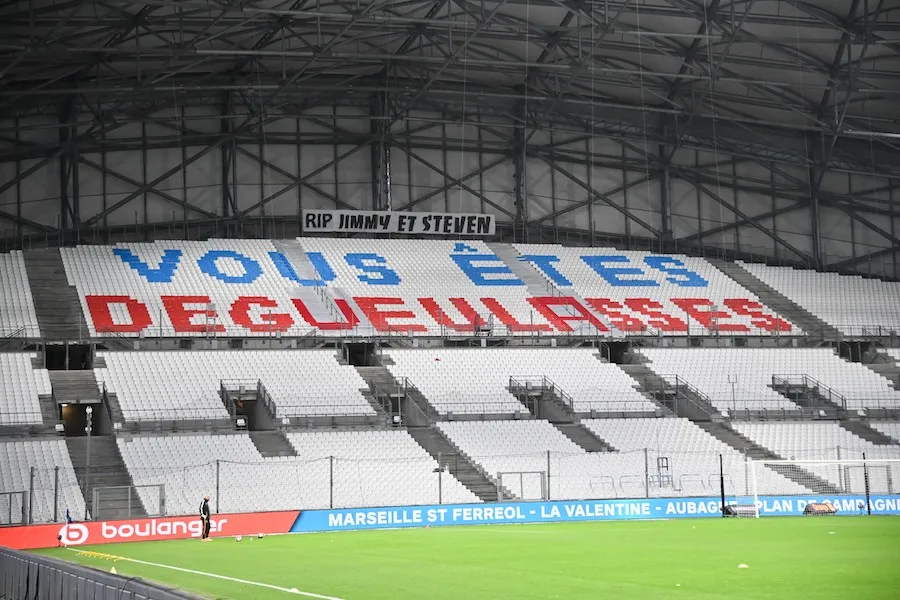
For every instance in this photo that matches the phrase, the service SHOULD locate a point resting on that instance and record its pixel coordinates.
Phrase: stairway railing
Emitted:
(819, 389)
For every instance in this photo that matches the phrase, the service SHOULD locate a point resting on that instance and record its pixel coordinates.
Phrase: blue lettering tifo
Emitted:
(168, 264)
(373, 274)
(209, 264)
(613, 275)
(460, 247)
(477, 273)
(286, 269)
(545, 264)
(672, 266)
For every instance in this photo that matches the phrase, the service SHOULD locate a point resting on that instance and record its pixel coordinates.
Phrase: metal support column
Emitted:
(31, 495)
(380, 152)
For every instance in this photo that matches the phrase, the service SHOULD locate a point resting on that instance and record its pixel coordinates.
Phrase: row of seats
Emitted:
(457, 380)
(712, 371)
(335, 468)
(152, 386)
(848, 302)
(824, 441)
(54, 491)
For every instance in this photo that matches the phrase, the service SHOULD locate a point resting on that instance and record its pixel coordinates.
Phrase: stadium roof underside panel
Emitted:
(765, 114)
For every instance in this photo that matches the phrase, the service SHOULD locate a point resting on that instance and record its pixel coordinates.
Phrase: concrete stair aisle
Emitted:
(49, 411)
(319, 299)
(535, 283)
(751, 449)
(457, 463)
(75, 387)
(56, 303)
(648, 382)
(861, 429)
(107, 470)
(584, 437)
(272, 443)
(776, 301)
(380, 377)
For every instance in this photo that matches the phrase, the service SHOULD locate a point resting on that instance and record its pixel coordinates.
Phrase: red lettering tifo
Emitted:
(367, 315)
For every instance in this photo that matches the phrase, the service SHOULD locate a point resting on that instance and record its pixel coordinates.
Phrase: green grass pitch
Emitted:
(846, 558)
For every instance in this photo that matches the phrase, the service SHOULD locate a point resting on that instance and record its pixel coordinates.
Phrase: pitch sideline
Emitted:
(294, 591)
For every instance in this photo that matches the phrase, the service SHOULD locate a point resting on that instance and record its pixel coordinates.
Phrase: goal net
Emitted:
(825, 487)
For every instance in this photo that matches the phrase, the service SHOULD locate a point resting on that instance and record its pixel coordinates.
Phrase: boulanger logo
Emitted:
(73, 534)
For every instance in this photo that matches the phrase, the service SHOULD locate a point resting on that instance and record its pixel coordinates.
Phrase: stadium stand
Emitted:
(690, 456)
(371, 468)
(478, 380)
(16, 461)
(536, 446)
(22, 386)
(674, 292)
(17, 314)
(853, 304)
(709, 369)
(157, 385)
(827, 441)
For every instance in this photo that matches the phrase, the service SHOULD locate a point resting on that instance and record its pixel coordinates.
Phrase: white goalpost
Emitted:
(823, 487)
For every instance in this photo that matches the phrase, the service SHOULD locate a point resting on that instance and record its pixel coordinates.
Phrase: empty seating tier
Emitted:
(828, 441)
(853, 304)
(17, 458)
(684, 459)
(17, 314)
(742, 378)
(520, 454)
(22, 385)
(478, 380)
(369, 468)
(154, 386)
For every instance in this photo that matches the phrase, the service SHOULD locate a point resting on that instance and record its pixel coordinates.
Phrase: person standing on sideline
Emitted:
(68, 516)
(204, 517)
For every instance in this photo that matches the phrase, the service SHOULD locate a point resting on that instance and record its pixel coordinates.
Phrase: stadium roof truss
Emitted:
(797, 101)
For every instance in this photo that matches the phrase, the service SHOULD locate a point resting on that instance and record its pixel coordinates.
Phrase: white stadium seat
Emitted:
(153, 386)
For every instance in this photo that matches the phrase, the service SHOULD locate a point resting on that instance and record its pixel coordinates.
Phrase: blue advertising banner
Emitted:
(563, 511)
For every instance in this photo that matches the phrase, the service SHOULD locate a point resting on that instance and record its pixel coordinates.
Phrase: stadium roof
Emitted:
(813, 83)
